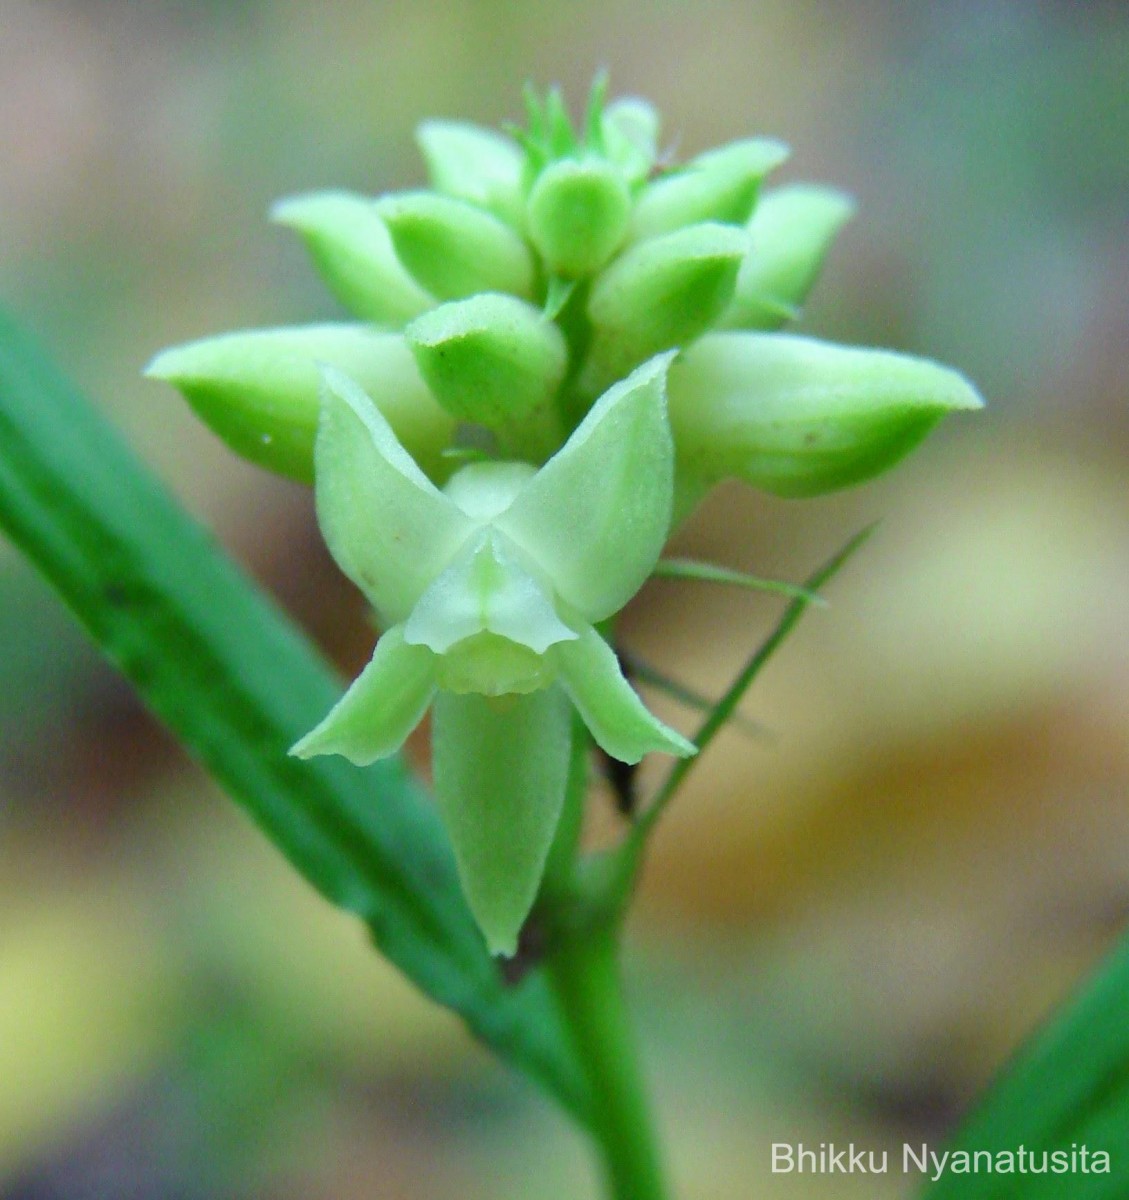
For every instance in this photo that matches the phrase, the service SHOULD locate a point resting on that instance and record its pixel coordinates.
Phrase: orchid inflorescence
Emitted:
(561, 347)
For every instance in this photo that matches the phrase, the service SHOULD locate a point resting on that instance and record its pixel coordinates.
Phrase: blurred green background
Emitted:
(853, 916)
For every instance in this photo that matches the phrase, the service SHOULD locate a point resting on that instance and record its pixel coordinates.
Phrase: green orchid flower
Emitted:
(490, 592)
(604, 327)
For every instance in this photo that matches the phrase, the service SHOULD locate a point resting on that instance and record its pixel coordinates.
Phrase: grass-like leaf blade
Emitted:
(702, 572)
(726, 707)
(1069, 1086)
(236, 682)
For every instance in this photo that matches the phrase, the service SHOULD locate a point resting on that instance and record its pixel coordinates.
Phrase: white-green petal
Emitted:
(485, 590)
(382, 706)
(619, 721)
(386, 524)
(352, 251)
(501, 765)
(796, 416)
(596, 515)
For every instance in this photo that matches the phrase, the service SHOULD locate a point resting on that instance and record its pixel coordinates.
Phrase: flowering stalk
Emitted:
(559, 349)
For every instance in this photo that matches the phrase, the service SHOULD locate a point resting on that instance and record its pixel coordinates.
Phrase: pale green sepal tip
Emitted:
(501, 765)
(381, 707)
(352, 251)
(792, 231)
(492, 359)
(720, 185)
(596, 516)
(797, 417)
(659, 294)
(259, 389)
(453, 248)
(473, 163)
(578, 212)
(619, 721)
(386, 524)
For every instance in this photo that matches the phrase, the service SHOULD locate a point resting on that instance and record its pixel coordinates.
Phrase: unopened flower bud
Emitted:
(351, 248)
(718, 186)
(260, 390)
(578, 212)
(497, 361)
(792, 230)
(474, 164)
(631, 130)
(454, 249)
(796, 417)
(660, 294)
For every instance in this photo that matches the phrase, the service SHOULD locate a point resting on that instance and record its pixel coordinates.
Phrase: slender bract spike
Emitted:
(350, 247)
(500, 770)
(596, 515)
(685, 568)
(474, 164)
(386, 525)
(792, 230)
(660, 294)
(381, 707)
(260, 390)
(594, 113)
(560, 137)
(798, 417)
(618, 720)
(719, 186)
(454, 249)
(725, 708)
(646, 673)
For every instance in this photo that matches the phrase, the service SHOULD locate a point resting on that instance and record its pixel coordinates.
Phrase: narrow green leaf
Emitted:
(233, 679)
(686, 568)
(1069, 1086)
(643, 672)
(727, 705)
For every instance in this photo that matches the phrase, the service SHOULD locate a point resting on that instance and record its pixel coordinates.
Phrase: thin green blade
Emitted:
(1067, 1088)
(724, 709)
(238, 684)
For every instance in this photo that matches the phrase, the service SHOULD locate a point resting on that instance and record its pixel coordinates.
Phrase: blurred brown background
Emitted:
(850, 918)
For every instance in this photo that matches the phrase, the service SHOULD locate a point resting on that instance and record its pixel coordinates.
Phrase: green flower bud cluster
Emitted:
(558, 349)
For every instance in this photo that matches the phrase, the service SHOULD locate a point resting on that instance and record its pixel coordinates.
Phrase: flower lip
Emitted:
(485, 588)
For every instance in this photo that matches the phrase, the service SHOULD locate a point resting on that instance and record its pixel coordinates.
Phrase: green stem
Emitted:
(580, 904)
(585, 973)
